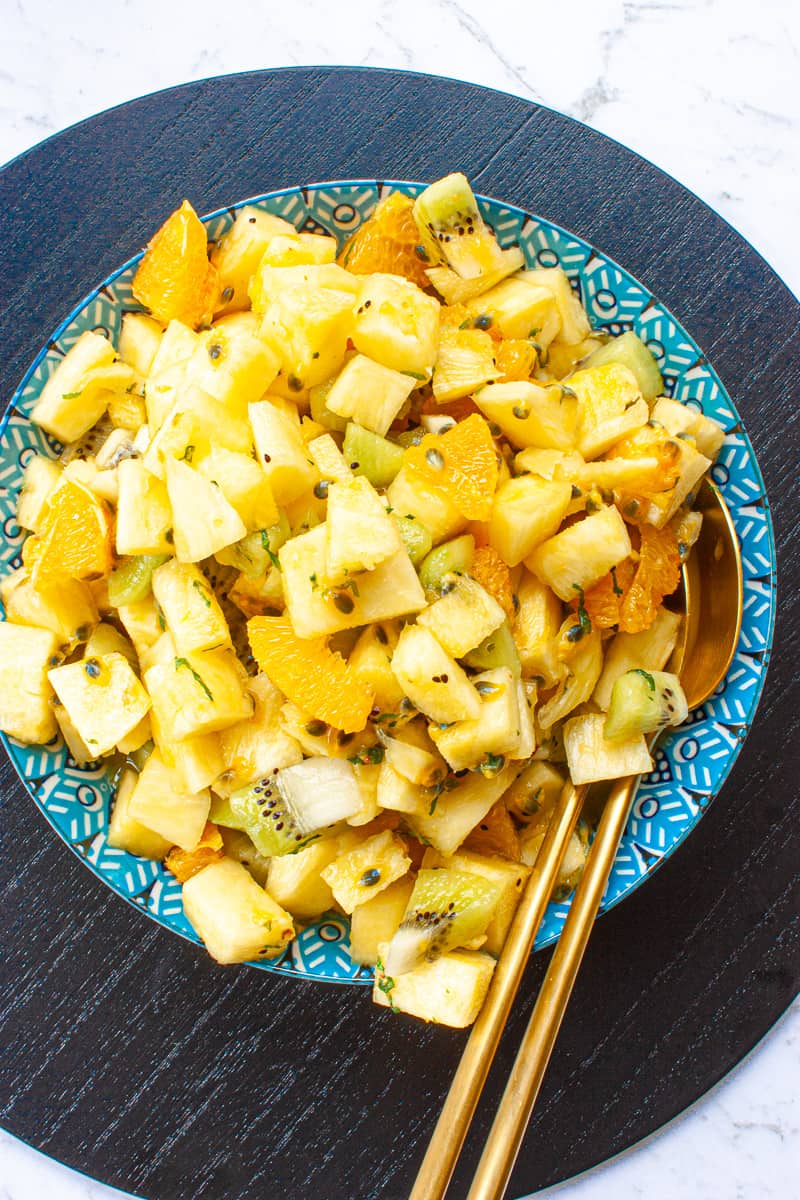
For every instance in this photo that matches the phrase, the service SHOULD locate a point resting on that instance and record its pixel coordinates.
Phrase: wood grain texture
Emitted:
(125, 1051)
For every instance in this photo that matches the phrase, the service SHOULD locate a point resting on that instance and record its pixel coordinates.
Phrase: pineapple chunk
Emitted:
(359, 874)
(448, 991)
(139, 339)
(465, 362)
(295, 880)
(580, 674)
(125, 832)
(360, 534)
(197, 760)
(40, 478)
(684, 467)
(432, 679)
(66, 608)
(526, 512)
(271, 282)
(138, 736)
(282, 451)
(232, 364)
(244, 485)
(396, 324)
(78, 750)
(203, 520)
(648, 651)
(573, 321)
(496, 729)
(328, 458)
(162, 803)
(391, 590)
(105, 639)
(534, 791)
(377, 920)
(142, 624)
(194, 425)
(463, 616)
(258, 745)
(238, 253)
(103, 482)
(458, 811)
(396, 793)
(300, 249)
(510, 877)
(531, 415)
(197, 693)
(190, 608)
(76, 394)
(610, 406)
(235, 918)
(413, 755)
(580, 555)
(535, 629)
(369, 393)
(456, 290)
(103, 698)
(144, 515)
(679, 419)
(167, 374)
(371, 658)
(307, 327)
(409, 496)
(26, 654)
(367, 780)
(518, 309)
(591, 756)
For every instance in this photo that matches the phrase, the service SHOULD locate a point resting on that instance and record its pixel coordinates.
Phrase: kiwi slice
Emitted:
(643, 701)
(371, 455)
(452, 229)
(447, 908)
(497, 650)
(260, 812)
(453, 557)
(629, 350)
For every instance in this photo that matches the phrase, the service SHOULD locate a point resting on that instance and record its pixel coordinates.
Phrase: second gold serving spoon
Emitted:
(712, 582)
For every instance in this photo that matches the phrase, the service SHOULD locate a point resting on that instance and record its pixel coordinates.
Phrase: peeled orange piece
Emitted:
(516, 359)
(461, 464)
(657, 575)
(175, 280)
(388, 242)
(316, 679)
(458, 409)
(183, 864)
(603, 601)
(493, 575)
(76, 537)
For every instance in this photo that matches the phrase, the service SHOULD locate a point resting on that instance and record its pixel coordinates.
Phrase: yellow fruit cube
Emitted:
(495, 731)
(610, 406)
(236, 919)
(432, 679)
(449, 991)
(103, 697)
(530, 414)
(244, 485)
(580, 555)
(238, 253)
(410, 496)
(198, 693)
(203, 520)
(139, 339)
(161, 802)
(463, 616)
(591, 756)
(125, 832)
(447, 823)
(295, 880)
(526, 512)
(369, 394)
(76, 394)
(257, 745)
(360, 534)
(361, 873)
(144, 515)
(535, 629)
(519, 309)
(40, 478)
(282, 452)
(377, 920)
(66, 608)
(306, 326)
(190, 608)
(26, 655)
(232, 363)
(396, 324)
(573, 322)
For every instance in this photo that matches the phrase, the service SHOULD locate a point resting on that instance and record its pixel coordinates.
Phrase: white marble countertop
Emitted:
(708, 90)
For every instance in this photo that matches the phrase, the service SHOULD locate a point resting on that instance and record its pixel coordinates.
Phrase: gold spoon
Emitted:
(710, 633)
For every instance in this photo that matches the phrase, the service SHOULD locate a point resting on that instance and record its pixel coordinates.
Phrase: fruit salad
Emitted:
(351, 558)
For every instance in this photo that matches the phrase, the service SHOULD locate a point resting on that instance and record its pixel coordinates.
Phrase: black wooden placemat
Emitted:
(125, 1052)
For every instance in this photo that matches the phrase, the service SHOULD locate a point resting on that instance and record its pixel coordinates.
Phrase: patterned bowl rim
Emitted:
(557, 910)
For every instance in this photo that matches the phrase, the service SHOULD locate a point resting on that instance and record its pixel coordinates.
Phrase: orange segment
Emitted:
(493, 575)
(175, 280)
(313, 677)
(459, 409)
(76, 538)
(657, 575)
(603, 601)
(516, 359)
(461, 464)
(496, 834)
(185, 863)
(388, 242)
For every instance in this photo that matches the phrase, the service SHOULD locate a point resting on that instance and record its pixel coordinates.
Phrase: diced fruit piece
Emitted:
(197, 759)
(449, 991)
(139, 337)
(367, 780)
(144, 515)
(125, 832)
(530, 414)
(610, 406)
(139, 736)
(328, 458)
(649, 650)
(235, 918)
(75, 539)
(395, 793)
(432, 679)
(260, 811)
(161, 802)
(396, 324)
(518, 309)
(581, 655)
(452, 229)
(578, 556)
(412, 754)
(391, 590)
(66, 606)
(591, 756)
(465, 362)
(141, 622)
(315, 678)
(459, 810)
(175, 279)
(281, 449)
(376, 920)
(237, 254)
(243, 484)
(320, 413)
(536, 627)
(451, 558)
(103, 697)
(458, 292)
(681, 419)
(415, 537)
(368, 454)
(644, 701)
(197, 693)
(369, 393)
(496, 650)
(39, 479)
(299, 249)
(76, 394)
(492, 573)
(629, 350)
(494, 835)
(203, 519)
(496, 729)
(183, 864)
(526, 512)
(106, 639)
(371, 659)
(190, 608)
(232, 364)
(102, 482)
(573, 319)
(127, 411)
(360, 534)
(463, 617)
(447, 908)
(535, 790)
(193, 425)
(363, 872)
(319, 792)
(410, 496)
(306, 325)
(132, 580)
(681, 466)
(258, 745)
(295, 880)
(461, 464)
(573, 862)
(388, 242)
(26, 655)
(510, 878)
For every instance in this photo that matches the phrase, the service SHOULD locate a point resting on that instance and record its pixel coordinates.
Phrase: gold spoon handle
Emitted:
(462, 1098)
(511, 1119)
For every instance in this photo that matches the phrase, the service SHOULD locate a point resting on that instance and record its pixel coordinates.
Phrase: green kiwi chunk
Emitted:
(642, 702)
(446, 909)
